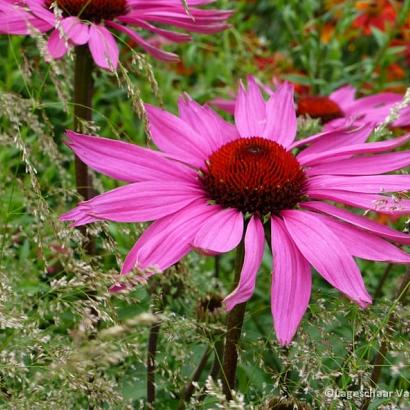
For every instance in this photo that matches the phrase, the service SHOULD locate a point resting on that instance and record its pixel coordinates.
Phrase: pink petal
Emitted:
(404, 119)
(291, 283)
(372, 102)
(254, 247)
(281, 123)
(371, 147)
(206, 122)
(375, 164)
(148, 47)
(359, 221)
(221, 233)
(343, 96)
(174, 136)
(167, 240)
(103, 47)
(225, 105)
(126, 162)
(14, 19)
(137, 202)
(250, 111)
(75, 30)
(176, 37)
(378, 203)
(38, 9)
(368, 184)
(324, 251)
(57, 46)
(364, 244)
(338, 138)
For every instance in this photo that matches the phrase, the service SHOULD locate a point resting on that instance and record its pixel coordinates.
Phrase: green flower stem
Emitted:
(233, 333)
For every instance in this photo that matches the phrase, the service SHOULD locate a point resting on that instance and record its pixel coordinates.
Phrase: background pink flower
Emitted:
(339, 106)
(213, 184)
(92, 22)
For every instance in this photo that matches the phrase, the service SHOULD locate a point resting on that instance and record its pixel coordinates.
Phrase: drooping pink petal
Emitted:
(334, 139)
(324, 251)
(148, 47)
(364, 244)
(250, 110)
(75, 31)
(378, 203)
(221, 233)
(359, 221)
(168, 239)
(368, 148)
(126, 162)
(291, 283)
(374, 164)
(225, 105)
(39, 10)
(137, 202)
(174, 136)
(281, 123)
(343, 96)
(206, 122)
(103, 47)
(14, 19)
(367, 184)
(372, 102)
(57, 46)
(404, 119)
(254, 247)
(174, 36)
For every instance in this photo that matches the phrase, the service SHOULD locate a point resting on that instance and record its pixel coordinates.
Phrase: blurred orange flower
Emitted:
(374, 13)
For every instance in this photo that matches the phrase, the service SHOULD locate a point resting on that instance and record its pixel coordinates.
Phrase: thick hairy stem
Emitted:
(83, 94)
(152, 351)
(381, 354)
(233, 333)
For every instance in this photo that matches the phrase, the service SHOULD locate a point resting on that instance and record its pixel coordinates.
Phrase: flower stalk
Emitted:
(233, 333)
(83, 95)
(151, 366)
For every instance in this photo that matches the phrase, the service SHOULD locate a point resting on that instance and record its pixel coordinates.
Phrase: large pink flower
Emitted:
(91, 21)
(339, 106)
(214, 184)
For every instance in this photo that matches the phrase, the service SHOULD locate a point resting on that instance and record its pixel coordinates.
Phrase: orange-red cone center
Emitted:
(93, 10)
(253, 175)
(319, 107)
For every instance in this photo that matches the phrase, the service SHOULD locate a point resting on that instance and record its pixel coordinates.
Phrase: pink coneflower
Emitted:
(334, 109)
(214, 184)
(91, 22)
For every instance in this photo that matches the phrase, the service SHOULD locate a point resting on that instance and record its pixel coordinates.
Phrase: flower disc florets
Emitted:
(92, 10)
(254, 175)
(319, 107)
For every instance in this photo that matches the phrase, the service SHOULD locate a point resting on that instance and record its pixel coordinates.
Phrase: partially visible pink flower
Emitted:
(213, 184)
(92, 22)
(339, 106)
